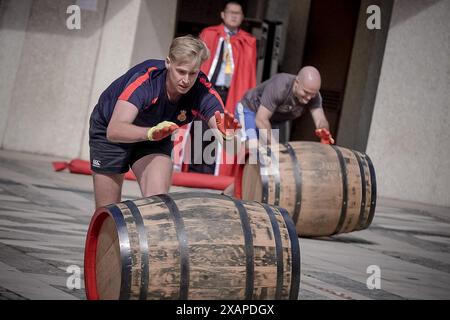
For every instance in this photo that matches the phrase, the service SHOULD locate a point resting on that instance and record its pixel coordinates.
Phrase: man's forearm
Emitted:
(265, 130)
(122, 132)
(320, 120)
(323, 124)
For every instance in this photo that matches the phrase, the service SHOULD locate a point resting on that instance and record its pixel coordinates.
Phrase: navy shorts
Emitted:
(117, 158)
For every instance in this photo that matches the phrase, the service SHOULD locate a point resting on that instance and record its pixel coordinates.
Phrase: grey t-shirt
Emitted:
(276, 95)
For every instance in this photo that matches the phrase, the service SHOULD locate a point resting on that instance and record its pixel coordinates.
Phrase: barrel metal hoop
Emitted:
(363, 189)
(344, 190)
(278, 250)
(182, 240)
(249, 254)
(125, 251)
(373, 194)
(277, 183)
(143, 246)
(295, 251)
(265, 183)
(298, 182)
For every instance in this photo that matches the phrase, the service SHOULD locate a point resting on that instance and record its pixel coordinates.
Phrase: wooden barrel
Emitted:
(326, 189)
(191, 246)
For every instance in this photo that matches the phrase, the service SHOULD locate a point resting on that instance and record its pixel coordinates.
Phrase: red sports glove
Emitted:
(325, 136)
(161, 130)
(227, 124)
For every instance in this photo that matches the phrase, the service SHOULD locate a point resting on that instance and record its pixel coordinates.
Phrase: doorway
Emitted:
(328, 46)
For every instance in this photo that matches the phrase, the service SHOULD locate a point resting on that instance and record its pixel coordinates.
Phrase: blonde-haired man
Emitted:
(132, 124)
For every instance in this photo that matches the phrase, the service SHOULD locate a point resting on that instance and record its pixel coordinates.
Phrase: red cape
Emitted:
(244, 58)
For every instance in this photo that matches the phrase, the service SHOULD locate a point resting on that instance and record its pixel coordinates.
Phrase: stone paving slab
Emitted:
(44, 216)
(29, 285)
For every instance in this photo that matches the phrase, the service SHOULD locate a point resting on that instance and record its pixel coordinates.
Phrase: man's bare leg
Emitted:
(107, 188)
(154, 174)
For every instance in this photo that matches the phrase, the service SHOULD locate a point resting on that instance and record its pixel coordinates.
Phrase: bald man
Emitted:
(281, 98)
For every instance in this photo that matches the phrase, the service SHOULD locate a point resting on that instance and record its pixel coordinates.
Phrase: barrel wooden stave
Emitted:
(107, 266)
(354, 191)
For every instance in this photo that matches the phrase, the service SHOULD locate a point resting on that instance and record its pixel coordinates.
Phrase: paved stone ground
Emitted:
(44, 217)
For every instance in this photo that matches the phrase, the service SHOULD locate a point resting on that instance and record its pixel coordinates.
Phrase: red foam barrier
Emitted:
(201, 180)
(182, 179)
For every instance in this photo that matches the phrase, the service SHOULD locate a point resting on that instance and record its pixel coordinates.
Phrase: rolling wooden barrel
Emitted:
(326, 189)
(191, 246)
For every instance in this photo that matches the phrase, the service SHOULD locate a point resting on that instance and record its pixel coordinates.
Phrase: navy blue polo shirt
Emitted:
(145, 87)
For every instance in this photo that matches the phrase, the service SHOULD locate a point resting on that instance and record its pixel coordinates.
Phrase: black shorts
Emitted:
(117, 158)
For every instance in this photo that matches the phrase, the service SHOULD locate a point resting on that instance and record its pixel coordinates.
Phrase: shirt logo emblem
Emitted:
(182, 116)
(96, 163)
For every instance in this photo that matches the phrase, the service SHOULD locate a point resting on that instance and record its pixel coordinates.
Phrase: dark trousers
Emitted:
(203, 167)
